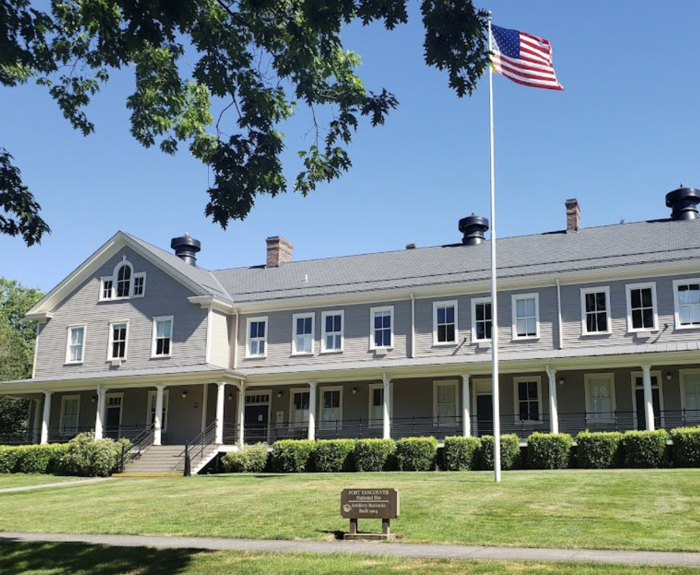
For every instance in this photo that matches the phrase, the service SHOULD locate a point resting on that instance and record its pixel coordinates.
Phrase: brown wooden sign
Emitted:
(369, 503)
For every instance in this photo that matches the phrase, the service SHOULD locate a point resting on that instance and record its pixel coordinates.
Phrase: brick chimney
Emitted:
(279, 251)
(573, 215)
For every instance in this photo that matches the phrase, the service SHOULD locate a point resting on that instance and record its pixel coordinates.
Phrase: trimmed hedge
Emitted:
(510, 452)
(599, 450)
(416, 453)
(548, 450)
(333, 455)
(460, 453)
(293, 455)
(645, 449)
(686, 446)
(40, 458)
(8, 459)
(251, 459)
(373, 454)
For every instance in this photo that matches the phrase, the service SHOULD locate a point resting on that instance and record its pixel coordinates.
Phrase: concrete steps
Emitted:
(167, 461)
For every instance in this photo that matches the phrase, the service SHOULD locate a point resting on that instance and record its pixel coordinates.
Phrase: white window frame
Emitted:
(628, 292)
(587, 377)
(516, 401)
(152, 405)
(295, 335)
(321, 423)
(372, 422)
(659, 385)
(514, 303)
(69, 330)
(372, 312)
(445, 304)
(110, 340)
(170, 318)
(476, 301)
(102, 288)
(62, 422)
(250, 320)
(677, 305)
(115, 282)
(324, 333)
(114, 278)
(446, 382)
(305, 412)
(133, 285)
(682, 373)
(584, 313)
(109, 396)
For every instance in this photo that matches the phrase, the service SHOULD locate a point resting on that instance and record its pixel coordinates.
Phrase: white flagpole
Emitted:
(494, 295)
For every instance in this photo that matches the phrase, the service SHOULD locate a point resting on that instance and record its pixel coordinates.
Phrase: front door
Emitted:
(113, 418)
(256, 420)
(655, 401)
(484, 414)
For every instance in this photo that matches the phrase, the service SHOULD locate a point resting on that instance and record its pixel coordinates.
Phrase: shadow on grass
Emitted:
(78, 558)
(338, 534)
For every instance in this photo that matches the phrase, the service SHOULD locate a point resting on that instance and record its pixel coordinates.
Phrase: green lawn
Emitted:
(75, 559)
(23, 479)
(621, 509)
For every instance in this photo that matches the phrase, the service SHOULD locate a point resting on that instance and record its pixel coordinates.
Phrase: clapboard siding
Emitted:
(164, 296)
(220, 344)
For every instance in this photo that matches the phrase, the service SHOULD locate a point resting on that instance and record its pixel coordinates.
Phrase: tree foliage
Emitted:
(258, 59)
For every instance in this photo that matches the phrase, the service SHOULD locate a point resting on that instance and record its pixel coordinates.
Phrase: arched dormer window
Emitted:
(123, 283)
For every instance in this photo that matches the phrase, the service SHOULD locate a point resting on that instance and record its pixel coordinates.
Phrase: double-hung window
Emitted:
(303, 342)
(332, 337)
(70, 414)
(481, 319)
(162, 336)
(444, 322)
(595, 311)
(382, 322)
(600, 396)
(690, 394)
(687, 303)
(331, 407)
(376, 404)
(525, 316)
(445, 402)
(256, 344)
(123, 283)
(527, 399)
(300, 407)
(75, 348)
(641, 307)
(118, 333)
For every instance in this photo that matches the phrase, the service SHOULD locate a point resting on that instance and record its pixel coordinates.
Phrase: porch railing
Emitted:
(194, 449)
(138, 445)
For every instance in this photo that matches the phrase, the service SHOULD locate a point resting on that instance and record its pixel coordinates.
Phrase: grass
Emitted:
(620, 509)
(23, 479)
(78, 559)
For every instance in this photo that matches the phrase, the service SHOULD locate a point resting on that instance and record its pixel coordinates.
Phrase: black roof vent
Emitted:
(683, 202)
(186, 248)
(473, 228)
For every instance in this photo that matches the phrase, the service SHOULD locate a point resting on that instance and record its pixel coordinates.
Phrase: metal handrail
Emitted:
(203, 440)
(137, 447)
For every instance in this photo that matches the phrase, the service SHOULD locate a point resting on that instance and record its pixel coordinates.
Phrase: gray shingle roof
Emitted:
(588, 249)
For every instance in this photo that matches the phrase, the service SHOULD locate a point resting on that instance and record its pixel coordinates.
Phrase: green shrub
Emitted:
(251, 459)
(333, 455)
(292, 455)
(8, 459)
(645, 449)
(548, 450)
(510, 452)
(416, 453)
(373, 454)
(599, 450)
(686, 446)
(86, 457)
(39, 458)
(460, 453)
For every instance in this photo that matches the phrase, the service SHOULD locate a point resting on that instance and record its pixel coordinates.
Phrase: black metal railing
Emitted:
(136, 447)
(194, 449)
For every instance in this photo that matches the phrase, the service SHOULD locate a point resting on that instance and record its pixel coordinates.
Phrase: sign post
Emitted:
(369, 504)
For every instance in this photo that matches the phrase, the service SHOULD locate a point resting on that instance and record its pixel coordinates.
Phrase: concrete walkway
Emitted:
(57, 484)
(358, 548)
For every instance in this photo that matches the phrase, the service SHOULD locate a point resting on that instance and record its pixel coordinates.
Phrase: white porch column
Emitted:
(46, 417)
(158, 419)
(386, 428)
(241, 413)
(205, 399)
(220, 397)
(466, 416)
(36, 428)
(100, 414)
(648, 401)
(553, 404)
(311, 429)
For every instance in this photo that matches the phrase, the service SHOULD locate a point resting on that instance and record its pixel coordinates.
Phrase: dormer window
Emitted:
(123, 283)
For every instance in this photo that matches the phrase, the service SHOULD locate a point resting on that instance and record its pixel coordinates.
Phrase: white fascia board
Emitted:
(210, 301)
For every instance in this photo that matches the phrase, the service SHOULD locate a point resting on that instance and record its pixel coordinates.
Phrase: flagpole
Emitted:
(494, 296)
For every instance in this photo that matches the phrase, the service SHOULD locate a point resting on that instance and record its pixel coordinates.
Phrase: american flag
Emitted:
(524, 58)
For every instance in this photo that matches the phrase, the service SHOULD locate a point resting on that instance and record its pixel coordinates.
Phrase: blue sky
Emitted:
(621, 135)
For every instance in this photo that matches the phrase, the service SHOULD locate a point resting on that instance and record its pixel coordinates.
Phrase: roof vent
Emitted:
(410, 246)
(683, 202)
(186, 248)
(473, 228)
